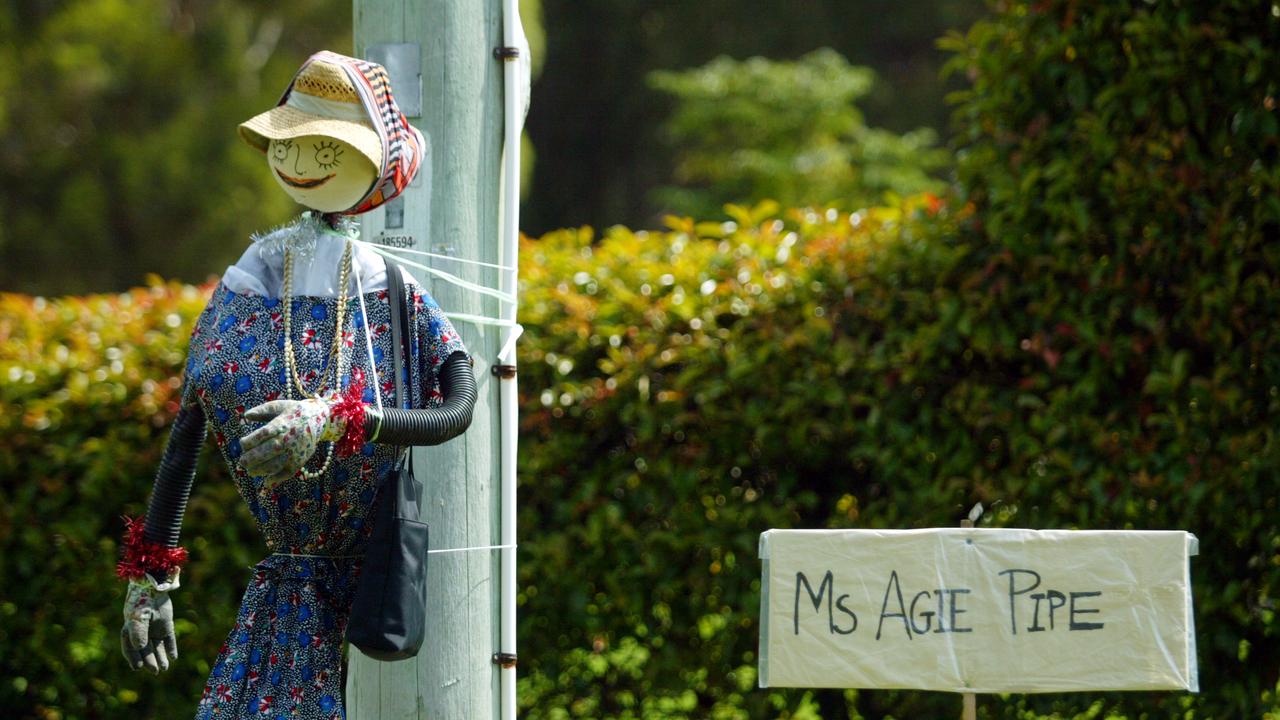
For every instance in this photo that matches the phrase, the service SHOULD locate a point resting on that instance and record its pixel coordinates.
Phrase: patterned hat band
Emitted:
(333, 109)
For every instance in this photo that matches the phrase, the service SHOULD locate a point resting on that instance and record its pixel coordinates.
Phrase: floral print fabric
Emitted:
(283, 657)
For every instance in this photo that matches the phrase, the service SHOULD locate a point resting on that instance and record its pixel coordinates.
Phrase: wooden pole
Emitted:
(451, 209)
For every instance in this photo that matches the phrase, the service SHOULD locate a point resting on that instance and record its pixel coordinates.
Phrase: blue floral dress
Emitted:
(283, 657)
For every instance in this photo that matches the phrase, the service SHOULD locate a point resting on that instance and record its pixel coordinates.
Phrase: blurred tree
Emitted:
(788, 131)
(120, 156)
(595, 121)
(126, 141)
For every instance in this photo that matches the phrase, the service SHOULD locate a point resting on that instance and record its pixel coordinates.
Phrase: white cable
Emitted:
(469, 549)
(515, 87)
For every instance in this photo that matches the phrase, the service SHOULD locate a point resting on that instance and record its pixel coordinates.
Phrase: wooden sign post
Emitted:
(971, 610)
(970, 711)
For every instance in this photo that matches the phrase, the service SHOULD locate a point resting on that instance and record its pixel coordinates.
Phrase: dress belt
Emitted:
(325, 557)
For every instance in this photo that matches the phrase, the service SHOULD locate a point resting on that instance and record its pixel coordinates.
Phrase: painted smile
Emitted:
(304, 184)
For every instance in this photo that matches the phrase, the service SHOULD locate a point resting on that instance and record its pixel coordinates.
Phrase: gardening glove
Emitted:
(278, 450)
(147, 637)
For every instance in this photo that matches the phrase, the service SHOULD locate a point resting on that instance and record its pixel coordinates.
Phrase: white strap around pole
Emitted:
(448, 277)
(450, 258)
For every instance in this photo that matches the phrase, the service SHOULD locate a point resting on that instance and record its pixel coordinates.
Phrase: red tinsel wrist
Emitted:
(141, 556)
(350, 407)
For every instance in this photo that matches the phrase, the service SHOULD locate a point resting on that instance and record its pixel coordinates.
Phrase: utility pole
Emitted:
(446, 47)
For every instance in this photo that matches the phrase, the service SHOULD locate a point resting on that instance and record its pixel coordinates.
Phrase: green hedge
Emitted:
(807, 370)
(683, 391)
(1083, 334)
(1124, 159)
(87, 390)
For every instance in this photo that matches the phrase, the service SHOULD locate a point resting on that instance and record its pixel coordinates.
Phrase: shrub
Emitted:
(789, 131)
(822, 369)
(1123, 161)
(683, 391)
(1093, 345)
(87, 389)
(1081, 335)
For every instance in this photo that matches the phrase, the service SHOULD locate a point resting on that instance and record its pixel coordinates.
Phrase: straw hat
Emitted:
(322, 101)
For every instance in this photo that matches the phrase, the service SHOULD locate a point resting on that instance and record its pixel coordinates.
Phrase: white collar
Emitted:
(317, 255)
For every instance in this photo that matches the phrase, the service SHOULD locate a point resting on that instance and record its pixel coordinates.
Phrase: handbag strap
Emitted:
(399, 329)
(406, 493)
(400, 339)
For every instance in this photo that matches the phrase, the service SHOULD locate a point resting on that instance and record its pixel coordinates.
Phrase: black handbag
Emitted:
(388, 616)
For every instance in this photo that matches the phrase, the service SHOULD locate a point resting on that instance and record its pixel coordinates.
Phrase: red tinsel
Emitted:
(350, 407)
(142, 556)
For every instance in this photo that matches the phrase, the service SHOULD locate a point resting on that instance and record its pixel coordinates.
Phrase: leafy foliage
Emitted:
(88, 387)
(823, 369)
(120, 145)
(119, 123)
(1081, 334)
(597, 122)
(1124, 161)
(685, 390)
(788, 131)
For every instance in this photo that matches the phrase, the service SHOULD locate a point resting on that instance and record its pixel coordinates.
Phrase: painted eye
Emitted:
(327, 155)
(280, 149)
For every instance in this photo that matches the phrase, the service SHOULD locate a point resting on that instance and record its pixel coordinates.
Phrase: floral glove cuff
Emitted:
(166, 584)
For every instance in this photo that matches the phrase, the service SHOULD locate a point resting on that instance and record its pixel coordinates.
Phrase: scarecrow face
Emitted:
(321, 172)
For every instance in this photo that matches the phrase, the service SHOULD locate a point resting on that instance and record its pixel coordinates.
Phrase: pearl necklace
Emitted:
(335, 353)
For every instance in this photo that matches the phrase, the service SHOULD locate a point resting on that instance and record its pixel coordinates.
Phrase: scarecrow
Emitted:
(281, 368)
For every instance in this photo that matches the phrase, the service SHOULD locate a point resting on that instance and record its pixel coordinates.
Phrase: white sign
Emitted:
(977, 610)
